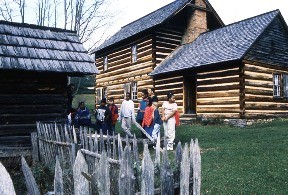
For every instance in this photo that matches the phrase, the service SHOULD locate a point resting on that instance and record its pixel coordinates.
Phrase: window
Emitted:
(101, 93)
(134, 91)
(134, 53)
(276, 85)
(105, 63)
(280, 85)
(104, 92)
(131, 88)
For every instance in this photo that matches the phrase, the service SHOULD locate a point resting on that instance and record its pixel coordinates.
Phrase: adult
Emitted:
(103, 118)
(127, 114)
(156, 121)
(83, 117)
(114, 112)
(152, 95)
(148, 119)
(169, 109)
(141, 109)
(70, 96)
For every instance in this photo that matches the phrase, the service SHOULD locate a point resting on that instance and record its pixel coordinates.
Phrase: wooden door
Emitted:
(190, 94)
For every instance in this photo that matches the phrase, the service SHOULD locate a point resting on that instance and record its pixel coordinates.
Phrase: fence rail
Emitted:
(112, 165)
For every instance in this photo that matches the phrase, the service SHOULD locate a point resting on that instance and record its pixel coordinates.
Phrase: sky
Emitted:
(230, 11)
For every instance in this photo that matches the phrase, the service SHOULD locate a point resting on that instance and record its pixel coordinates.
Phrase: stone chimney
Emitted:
(197, 22)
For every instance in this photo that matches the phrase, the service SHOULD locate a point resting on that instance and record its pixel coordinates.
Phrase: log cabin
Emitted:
(35, 63)
(216, 71)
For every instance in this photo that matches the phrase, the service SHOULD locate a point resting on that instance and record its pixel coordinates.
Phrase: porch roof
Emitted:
(225, 44)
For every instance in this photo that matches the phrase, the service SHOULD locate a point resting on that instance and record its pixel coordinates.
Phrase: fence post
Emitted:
(35, 147)
(81, 185)
(102, 175)
(185, 172)
(31, 185)
(126, 177)
(58, 179)
(167, 180)
(196, 168)
(147, 184)
(6, 184)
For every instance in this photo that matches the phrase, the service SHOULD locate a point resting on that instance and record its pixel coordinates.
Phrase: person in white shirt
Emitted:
(127, 114)
(169, 109)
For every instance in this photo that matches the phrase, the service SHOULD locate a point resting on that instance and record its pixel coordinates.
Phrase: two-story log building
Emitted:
(234, 71)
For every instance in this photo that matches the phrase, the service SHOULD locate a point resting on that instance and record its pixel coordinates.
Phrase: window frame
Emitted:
(277, 85)
(105, 63)
(134, 91)
(134, 57)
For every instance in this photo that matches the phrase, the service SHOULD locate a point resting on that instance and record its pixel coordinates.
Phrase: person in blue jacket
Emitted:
(83, 117)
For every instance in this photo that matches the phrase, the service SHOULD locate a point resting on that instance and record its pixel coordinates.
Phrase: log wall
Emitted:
(121, 70)
(259, 100)
(218, 92)
(26, 98)
(167, 39)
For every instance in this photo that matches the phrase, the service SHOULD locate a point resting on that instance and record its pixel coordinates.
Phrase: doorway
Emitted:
(190, 90)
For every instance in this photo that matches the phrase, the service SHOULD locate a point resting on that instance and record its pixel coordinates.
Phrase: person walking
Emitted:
(114, 112)
(169, 109)
(127, 114)
(141, 109)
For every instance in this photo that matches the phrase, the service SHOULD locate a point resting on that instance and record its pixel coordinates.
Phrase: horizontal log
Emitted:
(170, 86)
(22, 99)
(31, 109)
(259, 84)
(15, 141)
(219, 81)
(218, 88)
(265, 107)
(259, 92)
(218, 115)
(257, 77)
(19, 129)
(215, 102)
(266, 111)
(210, 110)
(6, 119)
(126, 74)
(166, 44)
(216, 74)
(259, 69)
(232, 93)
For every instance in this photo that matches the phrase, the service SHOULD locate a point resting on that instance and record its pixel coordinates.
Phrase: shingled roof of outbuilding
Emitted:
(151, 20)
(36, 48)
(225, 44)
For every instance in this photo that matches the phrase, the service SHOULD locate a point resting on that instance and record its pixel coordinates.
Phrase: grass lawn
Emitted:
(251, 160)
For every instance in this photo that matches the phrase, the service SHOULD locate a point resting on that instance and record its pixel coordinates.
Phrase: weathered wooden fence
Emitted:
(104, 166)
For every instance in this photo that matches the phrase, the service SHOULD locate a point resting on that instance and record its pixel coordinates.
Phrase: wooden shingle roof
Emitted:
(35, 48)
(225, 44)
(144, 23)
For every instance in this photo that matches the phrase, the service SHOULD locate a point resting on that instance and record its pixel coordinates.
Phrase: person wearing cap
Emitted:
(169, 109)
(103, 118)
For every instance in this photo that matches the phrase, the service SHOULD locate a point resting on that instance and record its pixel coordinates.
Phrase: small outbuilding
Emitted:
(35, 63)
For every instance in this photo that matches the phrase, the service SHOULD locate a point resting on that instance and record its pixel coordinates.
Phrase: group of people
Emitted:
(148, 116)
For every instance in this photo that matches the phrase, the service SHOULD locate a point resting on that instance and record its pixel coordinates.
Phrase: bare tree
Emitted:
(87, 17)
(21, 5)
(6, 10)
